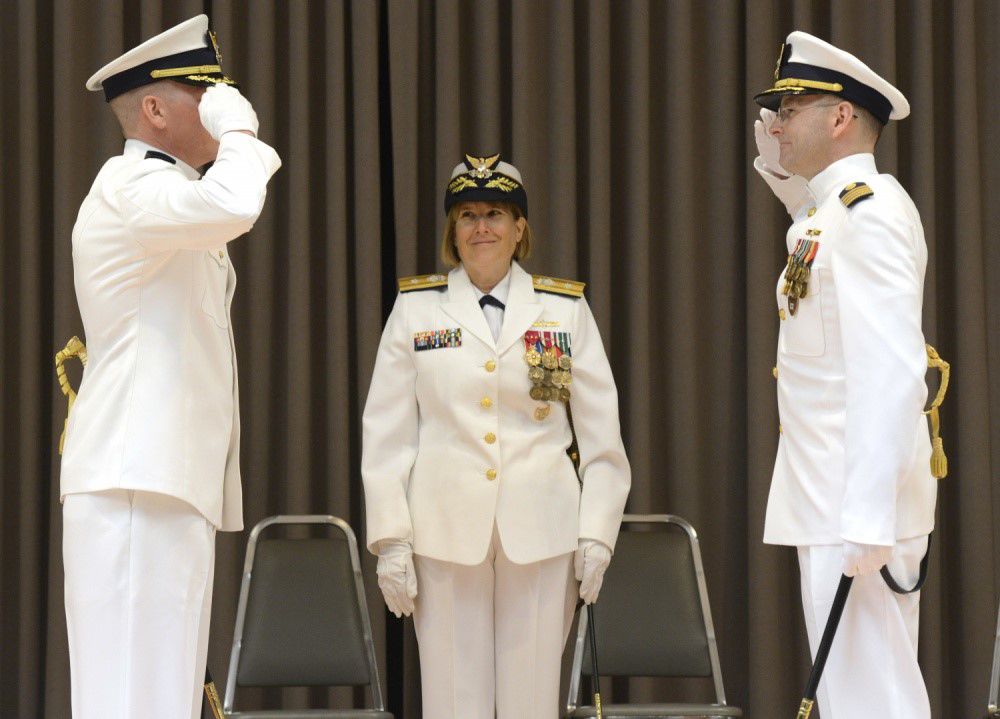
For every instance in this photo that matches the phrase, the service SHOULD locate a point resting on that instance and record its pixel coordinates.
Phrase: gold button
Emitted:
(774, 371)
(781, 314)
(490, 365)
(221, 255)
(812, 211)
(491, 474)
(485, 403)
(490, 438)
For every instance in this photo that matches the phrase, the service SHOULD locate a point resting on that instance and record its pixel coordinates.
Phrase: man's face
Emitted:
(194, 145)
(803, 128)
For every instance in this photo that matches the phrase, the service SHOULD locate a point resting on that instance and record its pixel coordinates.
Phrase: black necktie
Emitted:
(490, 300)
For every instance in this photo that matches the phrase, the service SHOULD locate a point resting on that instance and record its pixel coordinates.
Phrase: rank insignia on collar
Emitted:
(437, 339)
(797, 272)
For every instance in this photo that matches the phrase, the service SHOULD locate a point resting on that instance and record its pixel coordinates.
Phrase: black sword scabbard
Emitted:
(832, 622)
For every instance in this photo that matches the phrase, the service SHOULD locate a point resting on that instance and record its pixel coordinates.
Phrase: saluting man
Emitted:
(473, 503)
(852, 485)
(151, 465)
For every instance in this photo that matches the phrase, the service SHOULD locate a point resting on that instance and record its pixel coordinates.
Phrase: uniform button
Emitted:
(490, 438)
(490, 365)
(774, 372)
(781, 314)
(812, 211)
(491, 474)
(485, 403)
(221, 254)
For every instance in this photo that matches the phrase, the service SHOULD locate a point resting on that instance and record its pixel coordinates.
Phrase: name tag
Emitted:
(437, 339)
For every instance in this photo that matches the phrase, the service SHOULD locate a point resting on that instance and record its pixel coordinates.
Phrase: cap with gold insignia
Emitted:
(486, 179)
(187, 53)
(808, 65)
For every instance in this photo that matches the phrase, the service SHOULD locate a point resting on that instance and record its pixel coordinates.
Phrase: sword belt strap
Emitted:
(894, 585)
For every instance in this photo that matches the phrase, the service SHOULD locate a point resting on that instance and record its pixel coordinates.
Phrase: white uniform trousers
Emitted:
(139, 568)
(491, 635)
(872, 670)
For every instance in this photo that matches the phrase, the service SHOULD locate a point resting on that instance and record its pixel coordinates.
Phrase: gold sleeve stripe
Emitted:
(557, 286)
(422, 282)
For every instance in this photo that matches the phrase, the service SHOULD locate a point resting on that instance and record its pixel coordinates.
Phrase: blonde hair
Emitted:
(449, 252)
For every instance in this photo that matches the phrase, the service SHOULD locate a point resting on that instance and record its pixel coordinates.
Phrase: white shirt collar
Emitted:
(501, 291)
(138, 148)
(845, 170)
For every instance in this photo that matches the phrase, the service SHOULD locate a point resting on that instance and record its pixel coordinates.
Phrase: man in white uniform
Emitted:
(852, 487)
(151, 464)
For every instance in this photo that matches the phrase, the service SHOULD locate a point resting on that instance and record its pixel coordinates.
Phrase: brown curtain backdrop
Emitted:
(631, 121)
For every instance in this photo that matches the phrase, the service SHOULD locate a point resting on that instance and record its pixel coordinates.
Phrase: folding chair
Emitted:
(654, 620)
(302, 620)
(993, 708)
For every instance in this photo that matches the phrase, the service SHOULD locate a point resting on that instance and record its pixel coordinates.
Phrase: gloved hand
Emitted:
(792, 190)
(223, 109)
(864, 559)
(591, 561)
(397, 577)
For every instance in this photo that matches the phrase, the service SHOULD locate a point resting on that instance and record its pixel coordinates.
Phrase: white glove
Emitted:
(223, 109)
(591, 561)
(397, 577)
(864, 559)
(792, 190)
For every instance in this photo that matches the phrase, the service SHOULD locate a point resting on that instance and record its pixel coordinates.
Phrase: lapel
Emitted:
(523, 308)
(464, 309)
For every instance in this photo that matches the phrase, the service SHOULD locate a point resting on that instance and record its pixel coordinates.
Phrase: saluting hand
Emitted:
(591, 561)
(223, 109)
(792, 190)
(397, 577)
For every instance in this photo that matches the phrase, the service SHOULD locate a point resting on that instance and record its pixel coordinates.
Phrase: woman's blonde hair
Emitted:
(449, 252)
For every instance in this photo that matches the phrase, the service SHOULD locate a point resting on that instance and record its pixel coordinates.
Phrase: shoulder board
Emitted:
(557, 286)
(422, 282)
(855, 192)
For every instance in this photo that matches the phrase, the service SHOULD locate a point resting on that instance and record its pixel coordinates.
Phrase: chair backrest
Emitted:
(302, 618)
(994, 701)
(653, 617)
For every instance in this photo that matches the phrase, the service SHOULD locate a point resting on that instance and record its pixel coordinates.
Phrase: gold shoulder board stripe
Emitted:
(557, 286)
(855, 193)
(422, 282)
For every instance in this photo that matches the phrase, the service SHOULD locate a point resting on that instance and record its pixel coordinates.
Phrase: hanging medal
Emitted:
(797, 272)
(547, 355)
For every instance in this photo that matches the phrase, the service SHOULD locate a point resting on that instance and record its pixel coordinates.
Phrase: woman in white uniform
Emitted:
(481, 522)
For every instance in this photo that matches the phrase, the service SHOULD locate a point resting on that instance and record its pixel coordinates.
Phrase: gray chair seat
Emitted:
(658, 711)
(302, 620)
(653, 620)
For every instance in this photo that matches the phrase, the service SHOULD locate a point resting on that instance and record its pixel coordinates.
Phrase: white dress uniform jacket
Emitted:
(451, 439)
(853, 460)
(158, 407)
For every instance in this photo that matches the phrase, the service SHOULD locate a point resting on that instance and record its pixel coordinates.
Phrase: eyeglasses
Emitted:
(785, 114)
(495, 218)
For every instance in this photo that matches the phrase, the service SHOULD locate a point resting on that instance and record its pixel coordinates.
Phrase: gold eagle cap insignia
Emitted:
(215, 46)
(482, 167)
